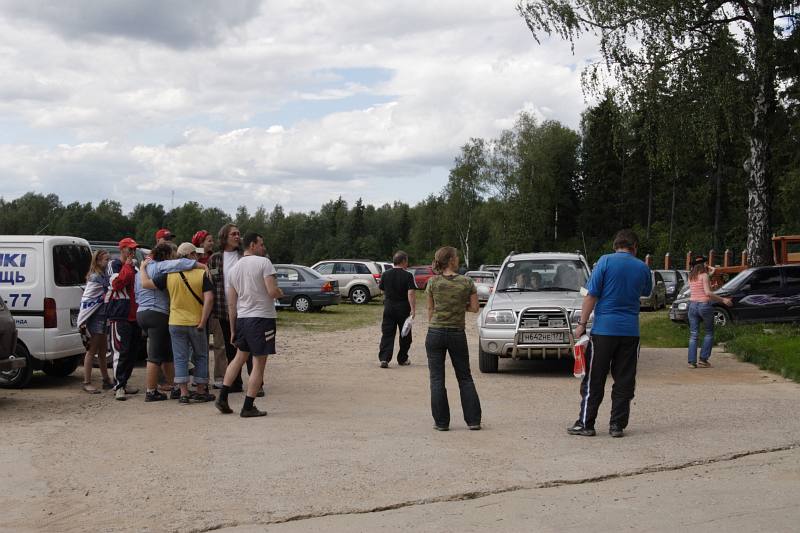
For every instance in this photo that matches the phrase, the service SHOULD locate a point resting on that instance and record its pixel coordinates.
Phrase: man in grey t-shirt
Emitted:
(251, 289)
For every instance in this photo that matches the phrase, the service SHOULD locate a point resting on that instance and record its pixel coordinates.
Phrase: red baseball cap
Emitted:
(127, 242)
(164, 233)
(199, 237)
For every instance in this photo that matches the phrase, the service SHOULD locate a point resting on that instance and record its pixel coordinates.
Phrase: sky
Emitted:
(265, 102)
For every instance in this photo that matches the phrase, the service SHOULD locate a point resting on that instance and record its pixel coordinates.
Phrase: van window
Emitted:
(70, 264)
(765, 279)
(792, 277)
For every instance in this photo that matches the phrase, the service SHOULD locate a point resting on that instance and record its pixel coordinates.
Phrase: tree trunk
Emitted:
(718, 201)
(757, 165)
(672, 209)
(649, 201)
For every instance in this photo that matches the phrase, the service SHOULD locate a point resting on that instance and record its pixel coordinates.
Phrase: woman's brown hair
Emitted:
(442, 258)
(94, 267)
(698, 269)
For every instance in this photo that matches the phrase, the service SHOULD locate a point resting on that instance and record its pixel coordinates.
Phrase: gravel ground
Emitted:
(344, 436)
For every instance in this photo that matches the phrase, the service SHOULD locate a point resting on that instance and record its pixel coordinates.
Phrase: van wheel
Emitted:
(61, 368)
(302, 304)
(19, 377)
(721, 317)
(359, 295)
(488, 363)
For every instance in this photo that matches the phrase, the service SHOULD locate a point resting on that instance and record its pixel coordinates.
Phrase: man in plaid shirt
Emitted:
(231, 251)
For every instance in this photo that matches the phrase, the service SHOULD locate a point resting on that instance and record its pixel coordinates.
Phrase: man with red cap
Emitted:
(124, 331)
(164, 235)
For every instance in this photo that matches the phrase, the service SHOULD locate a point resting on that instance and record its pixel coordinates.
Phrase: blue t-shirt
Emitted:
(618, 280)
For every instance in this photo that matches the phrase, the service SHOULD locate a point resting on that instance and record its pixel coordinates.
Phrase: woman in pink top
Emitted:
(701, 309)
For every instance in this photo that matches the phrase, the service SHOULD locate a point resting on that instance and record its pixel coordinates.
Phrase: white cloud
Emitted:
(267, 103)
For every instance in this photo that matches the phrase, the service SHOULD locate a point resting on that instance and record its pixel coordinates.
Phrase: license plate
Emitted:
(543, 337)
(73, 318)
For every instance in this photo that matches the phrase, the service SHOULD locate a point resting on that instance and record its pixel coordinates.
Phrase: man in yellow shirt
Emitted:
(191, 298)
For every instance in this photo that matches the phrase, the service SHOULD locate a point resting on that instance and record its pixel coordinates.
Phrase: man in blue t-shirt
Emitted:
(617, 282)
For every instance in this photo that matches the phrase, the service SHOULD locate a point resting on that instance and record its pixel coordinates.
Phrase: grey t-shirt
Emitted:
(246, 277)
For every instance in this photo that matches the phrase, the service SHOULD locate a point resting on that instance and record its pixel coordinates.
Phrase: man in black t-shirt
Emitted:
(399, 302)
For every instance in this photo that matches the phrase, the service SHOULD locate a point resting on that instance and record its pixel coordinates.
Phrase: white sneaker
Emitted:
(120, 394)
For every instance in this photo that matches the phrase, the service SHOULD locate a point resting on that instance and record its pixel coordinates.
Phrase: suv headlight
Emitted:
(500, 317)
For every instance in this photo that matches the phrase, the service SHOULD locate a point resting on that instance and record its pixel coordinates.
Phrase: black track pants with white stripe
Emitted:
(618, 355)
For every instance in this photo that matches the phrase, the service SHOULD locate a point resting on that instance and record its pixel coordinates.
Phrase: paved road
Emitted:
(344, 436)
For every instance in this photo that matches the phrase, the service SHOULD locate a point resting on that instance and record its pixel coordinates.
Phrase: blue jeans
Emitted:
(186, 341)
(438, 343)
(700, 312)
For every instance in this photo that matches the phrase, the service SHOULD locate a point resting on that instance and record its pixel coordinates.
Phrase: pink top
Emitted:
(698, 290)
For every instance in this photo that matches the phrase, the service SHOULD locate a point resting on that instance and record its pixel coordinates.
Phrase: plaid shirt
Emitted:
(215, 267)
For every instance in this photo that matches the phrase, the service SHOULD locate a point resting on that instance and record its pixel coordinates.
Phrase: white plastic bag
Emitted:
(407, 327)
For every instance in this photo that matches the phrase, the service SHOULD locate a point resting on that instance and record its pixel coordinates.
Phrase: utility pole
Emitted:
(172, 203)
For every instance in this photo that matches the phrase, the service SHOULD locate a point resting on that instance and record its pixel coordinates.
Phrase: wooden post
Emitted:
(726, 261)
(667, 261)
(689, 260)
(744, 258)
(648, 260)
(711, 254)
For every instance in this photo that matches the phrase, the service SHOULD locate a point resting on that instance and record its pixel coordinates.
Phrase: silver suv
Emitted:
(535, 305)
(358, 279)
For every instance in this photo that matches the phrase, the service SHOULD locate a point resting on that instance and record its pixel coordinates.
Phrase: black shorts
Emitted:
(255, 336)
(156, 327)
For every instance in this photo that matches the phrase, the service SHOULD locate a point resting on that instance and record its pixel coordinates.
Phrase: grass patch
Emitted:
(773, 347)
(333, 318)
(656, 330)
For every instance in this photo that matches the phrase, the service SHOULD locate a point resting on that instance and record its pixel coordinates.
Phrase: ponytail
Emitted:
(442, 258)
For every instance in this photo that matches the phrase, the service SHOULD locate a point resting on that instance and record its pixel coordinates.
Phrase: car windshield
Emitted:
(542, 275)
(736, 281)
(668, 275)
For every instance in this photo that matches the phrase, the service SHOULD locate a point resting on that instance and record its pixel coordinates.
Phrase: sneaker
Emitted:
(260, 393)
(475, 427)
(131, 390)
(384, 364)
(175, 393)
(120, 394)
(223, 407)
(692, 365)
(703, 363)
(252, 412)
(578, 429)
(154, 396)
(441, 428)
(204, 397)
(405, 363)
(616, 431)
(186, 400)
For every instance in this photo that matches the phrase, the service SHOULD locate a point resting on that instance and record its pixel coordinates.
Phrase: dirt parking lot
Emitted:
(349, 446)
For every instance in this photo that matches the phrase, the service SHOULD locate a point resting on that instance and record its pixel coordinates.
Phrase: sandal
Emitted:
(108, 384)
(87, 387)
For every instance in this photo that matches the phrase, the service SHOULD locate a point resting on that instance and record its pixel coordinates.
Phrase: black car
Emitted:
(673, 283)
(761, 294)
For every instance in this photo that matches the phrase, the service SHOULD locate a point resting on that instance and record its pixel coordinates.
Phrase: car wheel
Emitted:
(488, 363)
(721, 317)
(359, 295)
(61, 368)
(18, 377)
(302, 304)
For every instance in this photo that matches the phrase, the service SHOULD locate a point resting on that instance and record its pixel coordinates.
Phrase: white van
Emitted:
(42, 280)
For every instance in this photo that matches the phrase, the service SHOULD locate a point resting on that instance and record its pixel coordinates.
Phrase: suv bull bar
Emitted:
(542, 350)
